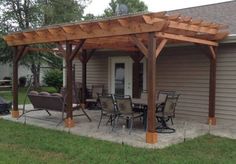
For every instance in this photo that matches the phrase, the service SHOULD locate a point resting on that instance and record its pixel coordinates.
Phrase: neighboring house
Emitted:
(6, 71)
(184, 69)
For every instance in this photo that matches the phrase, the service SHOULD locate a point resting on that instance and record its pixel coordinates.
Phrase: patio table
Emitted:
(144, 104)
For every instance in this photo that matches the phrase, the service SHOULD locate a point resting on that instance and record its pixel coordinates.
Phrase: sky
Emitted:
(97, 6)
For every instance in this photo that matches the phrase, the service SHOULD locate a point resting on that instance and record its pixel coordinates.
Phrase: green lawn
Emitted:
(22, 93)
(28, 144)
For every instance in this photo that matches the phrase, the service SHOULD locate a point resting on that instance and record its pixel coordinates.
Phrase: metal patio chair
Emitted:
(165, 113)
(107, 105)
(125, 110)
(93, 98)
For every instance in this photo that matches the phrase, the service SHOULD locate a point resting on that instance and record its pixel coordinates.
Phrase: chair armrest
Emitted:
(160, 107)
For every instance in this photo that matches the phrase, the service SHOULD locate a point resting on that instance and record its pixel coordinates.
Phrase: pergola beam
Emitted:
(185, 39)
(76, 49)
(140, 45)
(85, 31)
(161, 46)
(184, 25)
(212, 52)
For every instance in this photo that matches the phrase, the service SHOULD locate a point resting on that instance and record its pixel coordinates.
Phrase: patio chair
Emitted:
(166, 113)
(92, 101)
(107, 105)
(167, 92)
(125, 110)
(161, 98)
(139, 108)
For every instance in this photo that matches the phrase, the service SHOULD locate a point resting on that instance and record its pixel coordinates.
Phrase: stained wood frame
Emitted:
(84, 57)
(145, 32)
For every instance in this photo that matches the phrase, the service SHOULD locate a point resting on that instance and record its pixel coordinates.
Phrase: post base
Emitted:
(151, 137)
(15, 113)
(69, 123)
(212, 121)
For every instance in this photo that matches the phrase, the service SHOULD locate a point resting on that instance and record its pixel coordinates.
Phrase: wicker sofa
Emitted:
(50, 102)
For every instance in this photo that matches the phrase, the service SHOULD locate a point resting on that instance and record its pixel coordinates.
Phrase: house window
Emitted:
(120, 78)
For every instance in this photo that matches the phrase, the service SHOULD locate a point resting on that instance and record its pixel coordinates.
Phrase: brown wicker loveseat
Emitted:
(50, 102)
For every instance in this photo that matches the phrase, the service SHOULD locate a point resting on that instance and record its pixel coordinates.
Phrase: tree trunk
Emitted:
(36, 72)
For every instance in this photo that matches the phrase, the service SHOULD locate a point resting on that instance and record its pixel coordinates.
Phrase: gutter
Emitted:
(230, 39)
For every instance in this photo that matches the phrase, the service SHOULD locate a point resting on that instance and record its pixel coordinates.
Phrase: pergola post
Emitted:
(18, 52)
(212, 87)
(69, 122)
(15, 111)
(84, 75)
(84, 58)
(151, 135)
(153, 53)
(137, 57)
(69, 55)
(136, 79)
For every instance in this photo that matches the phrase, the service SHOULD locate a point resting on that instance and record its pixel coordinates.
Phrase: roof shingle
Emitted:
(224, 13)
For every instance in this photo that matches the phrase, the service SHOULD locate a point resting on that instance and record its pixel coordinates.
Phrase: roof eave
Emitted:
(230, 39)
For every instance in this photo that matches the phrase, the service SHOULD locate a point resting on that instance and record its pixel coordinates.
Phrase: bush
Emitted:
(22, 81)
(54, 78)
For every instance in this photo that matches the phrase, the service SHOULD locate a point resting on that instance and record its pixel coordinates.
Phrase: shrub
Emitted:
(22, 81)
(54, 78)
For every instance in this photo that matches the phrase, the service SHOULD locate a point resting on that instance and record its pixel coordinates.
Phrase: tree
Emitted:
(133, 6)
(25, 14)
(61, 11)
(89, 16)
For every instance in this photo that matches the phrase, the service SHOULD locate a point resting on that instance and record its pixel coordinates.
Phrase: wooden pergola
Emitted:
(147, 33)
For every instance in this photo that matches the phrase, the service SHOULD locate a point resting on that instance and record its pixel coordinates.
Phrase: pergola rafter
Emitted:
(122, 26)
(148, 33)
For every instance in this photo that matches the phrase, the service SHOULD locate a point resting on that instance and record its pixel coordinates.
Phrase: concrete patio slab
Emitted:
(185, 129)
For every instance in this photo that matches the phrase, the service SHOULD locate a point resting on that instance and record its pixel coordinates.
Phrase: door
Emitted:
(121, 75)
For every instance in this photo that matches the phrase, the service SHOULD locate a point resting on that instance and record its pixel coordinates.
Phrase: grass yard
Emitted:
(28, 144)
(22, 93)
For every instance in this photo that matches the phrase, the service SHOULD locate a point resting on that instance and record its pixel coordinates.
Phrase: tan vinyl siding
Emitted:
(187, 72)
(97, 71)
(226, 83)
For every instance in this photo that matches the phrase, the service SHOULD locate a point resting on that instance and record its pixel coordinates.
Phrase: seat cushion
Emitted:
(44, 94)
(33, 93)
(56, 94)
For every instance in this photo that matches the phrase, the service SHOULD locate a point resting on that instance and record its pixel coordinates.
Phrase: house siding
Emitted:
(226, 83)
(97, 71)
(185, 70)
